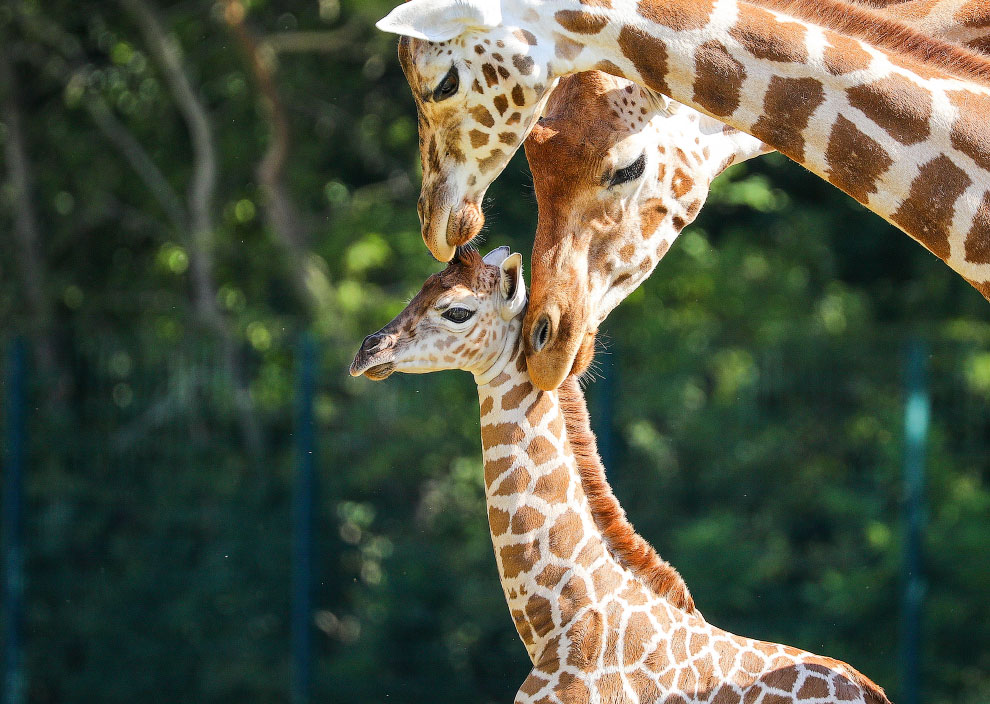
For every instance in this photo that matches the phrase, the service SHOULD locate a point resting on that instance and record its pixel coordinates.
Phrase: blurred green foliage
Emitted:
(754, 406)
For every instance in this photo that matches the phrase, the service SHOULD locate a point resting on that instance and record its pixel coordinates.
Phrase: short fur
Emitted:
(631, 549)
(875, 28)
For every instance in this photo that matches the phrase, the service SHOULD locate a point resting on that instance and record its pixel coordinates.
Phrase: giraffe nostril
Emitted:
(541, 333)
(372, 342)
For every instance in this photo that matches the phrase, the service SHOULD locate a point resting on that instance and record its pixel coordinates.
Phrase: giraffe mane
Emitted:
(868, 24)
(628, 546)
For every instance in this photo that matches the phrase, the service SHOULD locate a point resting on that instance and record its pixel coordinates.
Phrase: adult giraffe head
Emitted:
(619, 171)
(465, 317)
(479, 86)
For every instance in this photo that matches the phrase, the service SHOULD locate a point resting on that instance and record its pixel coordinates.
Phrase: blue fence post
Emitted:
(14, 680)
(303, 501)
(916, 419)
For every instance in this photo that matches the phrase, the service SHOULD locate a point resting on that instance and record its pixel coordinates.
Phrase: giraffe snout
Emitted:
(375, 356)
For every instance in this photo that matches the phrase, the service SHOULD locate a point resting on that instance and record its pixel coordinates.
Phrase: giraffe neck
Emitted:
(562, 542)
(902, 135)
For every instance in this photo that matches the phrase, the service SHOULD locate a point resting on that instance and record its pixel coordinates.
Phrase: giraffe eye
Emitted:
(457, 314)
(628, 173)
(448, 86)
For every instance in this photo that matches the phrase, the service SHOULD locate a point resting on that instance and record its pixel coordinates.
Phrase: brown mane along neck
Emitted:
(869, 25)
(630, 548)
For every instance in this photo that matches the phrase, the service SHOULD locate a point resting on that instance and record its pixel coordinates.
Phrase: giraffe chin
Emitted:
(464, 224)
(380, 372)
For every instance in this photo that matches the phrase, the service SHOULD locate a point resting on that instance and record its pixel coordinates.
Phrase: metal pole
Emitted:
(916, 419)
(14, 679)
(303, 500)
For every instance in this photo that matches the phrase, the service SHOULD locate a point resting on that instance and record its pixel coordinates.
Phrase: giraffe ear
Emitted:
(512, 286)
(440, 20)
(496, 256)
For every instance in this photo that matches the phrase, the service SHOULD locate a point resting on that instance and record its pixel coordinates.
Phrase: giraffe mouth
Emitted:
(380, 372)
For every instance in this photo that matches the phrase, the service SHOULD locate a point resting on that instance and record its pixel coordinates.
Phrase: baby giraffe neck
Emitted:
(562, 542)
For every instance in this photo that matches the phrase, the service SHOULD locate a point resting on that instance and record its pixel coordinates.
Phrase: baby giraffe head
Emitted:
(479, 87)
(467, 317)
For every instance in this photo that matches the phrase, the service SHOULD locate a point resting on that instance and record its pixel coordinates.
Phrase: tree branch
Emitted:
(202, 194)
(26, 228)
(280, 211)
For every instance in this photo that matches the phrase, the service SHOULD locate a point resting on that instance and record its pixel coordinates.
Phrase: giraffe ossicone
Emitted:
(602, 617)
(891, 117)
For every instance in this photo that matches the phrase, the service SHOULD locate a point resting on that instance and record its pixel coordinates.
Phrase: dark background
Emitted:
(190, 186)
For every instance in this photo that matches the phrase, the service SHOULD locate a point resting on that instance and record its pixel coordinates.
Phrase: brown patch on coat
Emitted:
(897, 104)
(855, 161)
(515, 396)
(580, 22)
(541, 450)
(970, 132)
(498, 520)
(647, 54)
(478, 138)
(926, 214)
(519, 558)
(526, 519)
(552, 487)
(766, 38)
(787, 107)
(978, 237)
(523, 64)
(678, 16)
(565, 534)
(718, 79)
(539, 612)
(844, 55)
(515, 483)
(481, 114)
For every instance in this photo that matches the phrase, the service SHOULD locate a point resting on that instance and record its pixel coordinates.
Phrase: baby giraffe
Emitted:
(602, 617)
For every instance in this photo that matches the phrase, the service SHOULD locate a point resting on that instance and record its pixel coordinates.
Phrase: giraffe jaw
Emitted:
(380, 372)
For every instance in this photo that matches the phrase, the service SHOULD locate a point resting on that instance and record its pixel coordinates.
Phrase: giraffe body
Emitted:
(859, 101)
(602, 617)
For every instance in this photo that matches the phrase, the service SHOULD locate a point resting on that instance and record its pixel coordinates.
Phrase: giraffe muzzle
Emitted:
(376, 357)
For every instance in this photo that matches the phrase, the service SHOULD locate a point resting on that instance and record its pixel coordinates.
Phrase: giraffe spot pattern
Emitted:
(482, 116)
(518, 557)
(679, 16)
(524, 64)
(897, 104)
(765, 38)
(514, 483)
(512, 398)
(927, 211)
(478, 138)
(524, 35)
(970, 133)
(978, 237)
(565, 534)
(490, 74)
(844, 55)
(566, 48)
(854, 159)
(647, 54)
(540, 450)
(787, 107)
(498, 521)
(540, 615)
(718, 79)
(526, 519)
(580, 22)
(501, 104)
